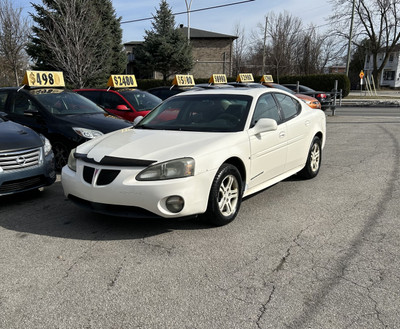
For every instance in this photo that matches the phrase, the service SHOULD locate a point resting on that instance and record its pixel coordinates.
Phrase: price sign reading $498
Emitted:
(43, 79)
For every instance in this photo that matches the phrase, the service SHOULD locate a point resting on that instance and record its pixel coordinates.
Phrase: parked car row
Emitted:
(165, 92)
(197, 153)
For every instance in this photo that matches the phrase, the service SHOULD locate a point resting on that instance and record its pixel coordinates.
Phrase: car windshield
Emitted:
(306, 89)
(61, 103)
(141, 100)
(204, 112)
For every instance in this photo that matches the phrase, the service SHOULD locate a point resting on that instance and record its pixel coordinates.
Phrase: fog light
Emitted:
(175, 203)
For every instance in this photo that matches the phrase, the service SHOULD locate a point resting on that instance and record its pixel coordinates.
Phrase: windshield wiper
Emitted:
(144, 127)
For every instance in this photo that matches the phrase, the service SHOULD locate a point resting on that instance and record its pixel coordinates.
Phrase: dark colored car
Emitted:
(246, 84)
(66, 118)
(323, 97)
(213, 86)
(124, 103)
(26, 159)
(165, 92)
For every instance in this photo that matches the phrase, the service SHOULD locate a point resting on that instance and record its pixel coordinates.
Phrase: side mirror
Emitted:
(137, 120)
(31, 112)
(122, 108)
(264, 125)
(3, 115)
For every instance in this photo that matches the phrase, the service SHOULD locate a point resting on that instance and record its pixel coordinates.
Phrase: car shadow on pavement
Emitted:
(49, 213)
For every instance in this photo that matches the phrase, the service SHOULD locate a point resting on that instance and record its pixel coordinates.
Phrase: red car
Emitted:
(124, 103)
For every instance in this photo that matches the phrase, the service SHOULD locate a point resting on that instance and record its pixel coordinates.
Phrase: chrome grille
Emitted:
(20, 159)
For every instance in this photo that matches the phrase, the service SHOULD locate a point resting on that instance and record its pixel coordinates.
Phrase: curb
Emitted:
(370, 103)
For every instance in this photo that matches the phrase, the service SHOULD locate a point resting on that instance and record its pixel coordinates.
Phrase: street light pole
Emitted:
(188, 7)
(265, 45)
(350, 39)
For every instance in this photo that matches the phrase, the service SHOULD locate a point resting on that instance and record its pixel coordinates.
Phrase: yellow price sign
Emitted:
(122, 81)
(183, 80)
(218, 79)
(43, 79)
(267, 78)
(245, 77)
(361, 74)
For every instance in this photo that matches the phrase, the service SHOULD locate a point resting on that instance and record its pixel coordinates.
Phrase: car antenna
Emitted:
(22, 87)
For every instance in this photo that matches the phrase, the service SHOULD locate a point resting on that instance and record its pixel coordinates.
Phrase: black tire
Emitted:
(61, 154)
(313, 164)
(225, 196)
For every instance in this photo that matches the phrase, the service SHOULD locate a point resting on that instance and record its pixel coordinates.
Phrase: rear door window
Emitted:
(112, 100)
(290, 107)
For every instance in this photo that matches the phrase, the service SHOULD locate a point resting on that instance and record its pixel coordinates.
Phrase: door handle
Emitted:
(282, 134)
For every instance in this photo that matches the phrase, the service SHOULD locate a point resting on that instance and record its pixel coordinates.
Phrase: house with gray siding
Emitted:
(390, 76)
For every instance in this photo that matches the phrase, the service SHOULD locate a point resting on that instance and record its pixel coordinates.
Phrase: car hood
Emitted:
(14, 136)
(156, 145)
(98, 121)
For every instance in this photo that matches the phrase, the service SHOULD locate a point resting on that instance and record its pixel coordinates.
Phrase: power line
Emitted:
(192, 11)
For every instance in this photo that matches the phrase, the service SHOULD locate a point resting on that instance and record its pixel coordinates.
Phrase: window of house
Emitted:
(388, 75)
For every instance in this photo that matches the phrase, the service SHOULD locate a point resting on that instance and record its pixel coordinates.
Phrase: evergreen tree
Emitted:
(82, 38)
(111, 33)
(165, 48)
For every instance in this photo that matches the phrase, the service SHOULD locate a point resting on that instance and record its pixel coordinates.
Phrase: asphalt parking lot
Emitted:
(322, 253)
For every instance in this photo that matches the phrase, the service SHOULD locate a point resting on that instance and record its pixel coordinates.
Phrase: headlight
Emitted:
(87, 133)
(72, 160)
(178, 168)
(47, 145)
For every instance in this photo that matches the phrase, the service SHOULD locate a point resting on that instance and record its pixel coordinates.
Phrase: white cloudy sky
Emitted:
(220, 20)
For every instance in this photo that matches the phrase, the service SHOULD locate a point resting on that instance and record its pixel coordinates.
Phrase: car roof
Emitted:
(32, 91)
(109, 89)
(254, 92)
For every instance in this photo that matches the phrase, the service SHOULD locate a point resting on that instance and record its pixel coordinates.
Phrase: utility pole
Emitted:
(188, 7)
(265, 46)
(350, 39)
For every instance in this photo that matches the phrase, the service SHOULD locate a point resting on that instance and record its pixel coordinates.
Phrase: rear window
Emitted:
(141, 100)
(66, 103)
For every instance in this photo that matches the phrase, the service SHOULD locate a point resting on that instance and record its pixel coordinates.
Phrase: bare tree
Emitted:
(72, 37)
(283, 40)
(310, 58)
(376, 21)
(14, 33)
(239, 48)
(291, 48)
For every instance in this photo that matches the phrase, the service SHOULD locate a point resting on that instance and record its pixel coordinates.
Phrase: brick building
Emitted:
(212, 53)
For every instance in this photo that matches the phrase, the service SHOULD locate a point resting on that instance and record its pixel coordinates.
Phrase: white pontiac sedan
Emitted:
(198, 153)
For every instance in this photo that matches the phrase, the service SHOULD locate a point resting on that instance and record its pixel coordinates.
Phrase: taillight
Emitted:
(321, 95)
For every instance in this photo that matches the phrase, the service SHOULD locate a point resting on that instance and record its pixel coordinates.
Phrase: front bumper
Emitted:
(21, 180)
(123, 195)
